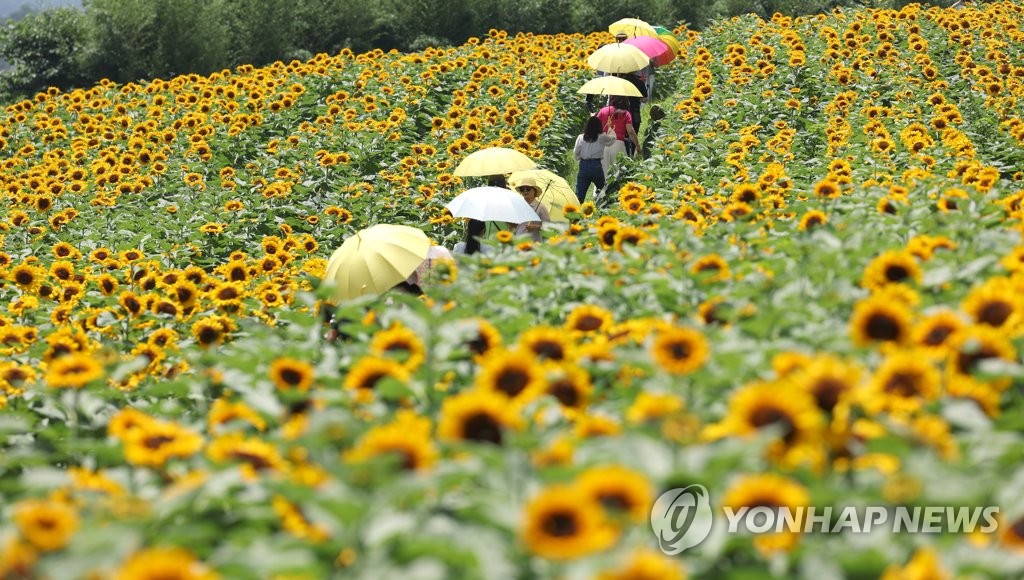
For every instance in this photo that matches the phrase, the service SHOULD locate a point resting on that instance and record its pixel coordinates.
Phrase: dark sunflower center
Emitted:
(479, 345)
(549, 349)
(679, 350)
(482, 427)
(565, 393)
(937, 335)
(24, 278)
(882, 327)
(227, 294)
(827, 392)
(258, 462)
(1018, 528)
(904, 384)
(371, 380)
(157, 441)
(588, 323)
(766, 416)
(561, 524)
(896, 273)
(208, 335)
(995, 313)
(398, 346)
(291, 376)
(966, 362)
(512, 381)
(608, 237)
(614, 501)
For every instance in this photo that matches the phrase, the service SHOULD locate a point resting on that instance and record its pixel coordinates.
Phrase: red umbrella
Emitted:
(653, 47)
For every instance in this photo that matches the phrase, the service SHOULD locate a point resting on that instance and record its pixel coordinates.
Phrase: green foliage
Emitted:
(43, 50)
(130, 40)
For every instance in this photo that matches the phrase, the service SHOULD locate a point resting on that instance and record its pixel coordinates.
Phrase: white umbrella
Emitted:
(492, 204)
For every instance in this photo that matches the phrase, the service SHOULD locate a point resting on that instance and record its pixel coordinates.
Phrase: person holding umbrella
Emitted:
(528, 189)
(616, 116)
(589, 152)
(635, 103)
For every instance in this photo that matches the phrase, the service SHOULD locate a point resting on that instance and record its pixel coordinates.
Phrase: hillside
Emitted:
(806, 293)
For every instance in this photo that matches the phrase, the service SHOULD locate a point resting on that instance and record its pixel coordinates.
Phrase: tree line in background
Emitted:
(129, 40)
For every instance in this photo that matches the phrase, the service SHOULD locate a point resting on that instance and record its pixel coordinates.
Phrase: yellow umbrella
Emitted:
(632, 27)
(618, 58)
(671, 42)
(610, 86)
(493, 161)
(555, 192)
(375, 259)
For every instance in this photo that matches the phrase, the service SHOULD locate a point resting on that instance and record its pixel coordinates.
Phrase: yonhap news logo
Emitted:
(682, 518)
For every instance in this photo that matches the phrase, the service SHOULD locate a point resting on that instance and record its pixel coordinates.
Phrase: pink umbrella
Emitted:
(654, 47)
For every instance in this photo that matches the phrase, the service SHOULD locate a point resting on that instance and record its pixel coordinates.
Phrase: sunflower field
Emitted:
(810, 292)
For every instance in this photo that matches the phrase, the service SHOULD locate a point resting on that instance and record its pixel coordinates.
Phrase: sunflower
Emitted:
(255, 454)
(1012, 534)
(996, 303)
(894, 267)
(27, 277)
(401, 342)
(223, 412)
(924, 564)
(878, 319)
(712, 267)
(364, 375)
(73, 371)
(47, 524)
(518, 376)
(212, 330)
(171, 562)
(647, 407)
(679, 350)
(477, 415)
(571, 385)
(587, 319)
(932, 332)
(619, 490)
(788, 362)
(131, 303)
(761, 405)
(547, 343)
(408, 437)
(291, 374)
(812, 219)
(828, 379)
(628, 235)
(903, 383)
(646, 564)
(970, 346)
(107, 284)
(483, 339)
(163, 338)
(153, 443)
(184, 292)
(827, 189)
(774, 492)
(559, 524)
(607, 233)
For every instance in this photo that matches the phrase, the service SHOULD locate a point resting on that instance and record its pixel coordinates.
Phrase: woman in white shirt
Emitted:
(589, 150)
(528, 189)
